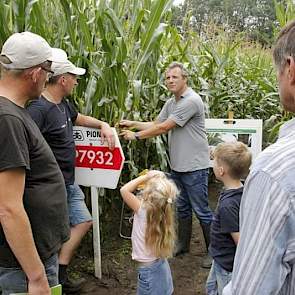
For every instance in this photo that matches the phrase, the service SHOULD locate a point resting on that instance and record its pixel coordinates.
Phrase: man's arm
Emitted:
(154, 130)
(146, 125)
(136, 124)
(17, 229)
(106, 132)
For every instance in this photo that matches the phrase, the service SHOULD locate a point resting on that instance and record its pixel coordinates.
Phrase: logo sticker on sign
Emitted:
(96, 164)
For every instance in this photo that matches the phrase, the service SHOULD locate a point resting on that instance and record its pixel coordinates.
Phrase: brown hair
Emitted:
(236, 156)
(53, 80)
(159, 197)
(4, 60)
(14, 72)
(179, 65)
(285, 45)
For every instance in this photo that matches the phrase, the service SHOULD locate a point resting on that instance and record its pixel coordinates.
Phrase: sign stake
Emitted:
(96, 232)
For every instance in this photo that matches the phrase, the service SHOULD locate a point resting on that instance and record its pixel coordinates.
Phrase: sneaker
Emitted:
(73, 286)
(207, 262)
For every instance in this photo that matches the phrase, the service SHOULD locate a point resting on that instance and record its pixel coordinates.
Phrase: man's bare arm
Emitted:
(155, 130)
(106, 131)
(136, 124)
(17, 229)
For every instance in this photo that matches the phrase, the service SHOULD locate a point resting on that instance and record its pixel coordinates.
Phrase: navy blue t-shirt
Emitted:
(55, 122)
(225, 221)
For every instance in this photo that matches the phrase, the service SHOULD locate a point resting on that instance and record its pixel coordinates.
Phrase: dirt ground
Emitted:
(119, 271)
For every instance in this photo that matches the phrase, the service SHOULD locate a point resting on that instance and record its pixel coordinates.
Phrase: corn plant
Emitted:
(125, 47)
(285, 12)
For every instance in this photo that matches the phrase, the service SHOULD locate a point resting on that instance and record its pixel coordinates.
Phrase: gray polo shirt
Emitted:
(188, 144)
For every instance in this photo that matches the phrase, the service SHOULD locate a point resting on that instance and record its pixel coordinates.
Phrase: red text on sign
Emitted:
(98, 157)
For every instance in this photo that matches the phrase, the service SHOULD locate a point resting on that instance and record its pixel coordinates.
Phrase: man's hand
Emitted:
(39, 286)
(128, 135)
(126, 124)
(106, 133)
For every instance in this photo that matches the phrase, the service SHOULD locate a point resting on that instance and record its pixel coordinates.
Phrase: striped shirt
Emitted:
(265, 257)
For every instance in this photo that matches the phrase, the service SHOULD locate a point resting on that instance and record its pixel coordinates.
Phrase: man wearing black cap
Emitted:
(33, 209)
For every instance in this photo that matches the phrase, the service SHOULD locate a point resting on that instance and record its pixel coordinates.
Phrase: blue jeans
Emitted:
(193, 188)
(218, 278)
(78, 211)
(14, 280)
(155, 279)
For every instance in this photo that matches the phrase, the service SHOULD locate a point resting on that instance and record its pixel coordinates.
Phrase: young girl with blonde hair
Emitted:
(153, 232)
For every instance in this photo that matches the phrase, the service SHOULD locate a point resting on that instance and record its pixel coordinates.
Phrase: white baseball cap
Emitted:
(25, 50)
(65, 66)
(60, 54)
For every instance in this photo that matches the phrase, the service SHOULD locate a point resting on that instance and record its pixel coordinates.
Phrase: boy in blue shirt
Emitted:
(231, 164)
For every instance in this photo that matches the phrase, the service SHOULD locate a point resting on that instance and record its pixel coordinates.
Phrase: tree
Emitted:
(254, 17)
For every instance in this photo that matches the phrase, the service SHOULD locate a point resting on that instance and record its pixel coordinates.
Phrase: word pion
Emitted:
(93, 133)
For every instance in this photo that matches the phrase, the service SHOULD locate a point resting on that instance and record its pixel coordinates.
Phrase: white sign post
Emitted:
(98, 167)
(249, 131)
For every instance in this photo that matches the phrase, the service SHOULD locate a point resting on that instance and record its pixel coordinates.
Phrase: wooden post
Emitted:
(96, 232)
(230, 117)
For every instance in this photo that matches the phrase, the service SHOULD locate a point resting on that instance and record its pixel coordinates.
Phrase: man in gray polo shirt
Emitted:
(183, 117)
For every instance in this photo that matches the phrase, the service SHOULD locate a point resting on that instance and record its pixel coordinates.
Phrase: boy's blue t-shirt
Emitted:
(225, 221)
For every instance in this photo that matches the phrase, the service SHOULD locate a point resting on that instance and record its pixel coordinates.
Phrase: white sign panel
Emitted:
(96, 164)
(228, 130)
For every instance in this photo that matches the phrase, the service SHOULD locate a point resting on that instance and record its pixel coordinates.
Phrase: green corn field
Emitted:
(125, 46)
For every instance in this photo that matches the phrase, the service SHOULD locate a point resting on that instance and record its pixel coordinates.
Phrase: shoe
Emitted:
(207, 262)
(72, 287)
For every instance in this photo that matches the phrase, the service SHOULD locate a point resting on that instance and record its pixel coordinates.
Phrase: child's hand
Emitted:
(146, 175)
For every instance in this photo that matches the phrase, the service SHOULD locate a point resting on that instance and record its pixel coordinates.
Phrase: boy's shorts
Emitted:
(78, 211)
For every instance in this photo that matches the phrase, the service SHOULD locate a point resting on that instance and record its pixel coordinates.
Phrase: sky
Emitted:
(176, 2)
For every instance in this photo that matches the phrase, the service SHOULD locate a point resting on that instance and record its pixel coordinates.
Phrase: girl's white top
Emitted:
(139, 250)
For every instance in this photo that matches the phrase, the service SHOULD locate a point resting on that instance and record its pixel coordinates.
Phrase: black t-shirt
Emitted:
(225, 221)
(55, 122)
(23, 146)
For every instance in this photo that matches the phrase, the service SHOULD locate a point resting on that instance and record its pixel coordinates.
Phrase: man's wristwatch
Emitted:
(136, 136)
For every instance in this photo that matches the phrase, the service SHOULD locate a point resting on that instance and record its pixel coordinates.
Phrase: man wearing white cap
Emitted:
(33, 207)
(55, 117)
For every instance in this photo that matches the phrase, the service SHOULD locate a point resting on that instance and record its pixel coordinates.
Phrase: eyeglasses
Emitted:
(73, 76)
(48, 71)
